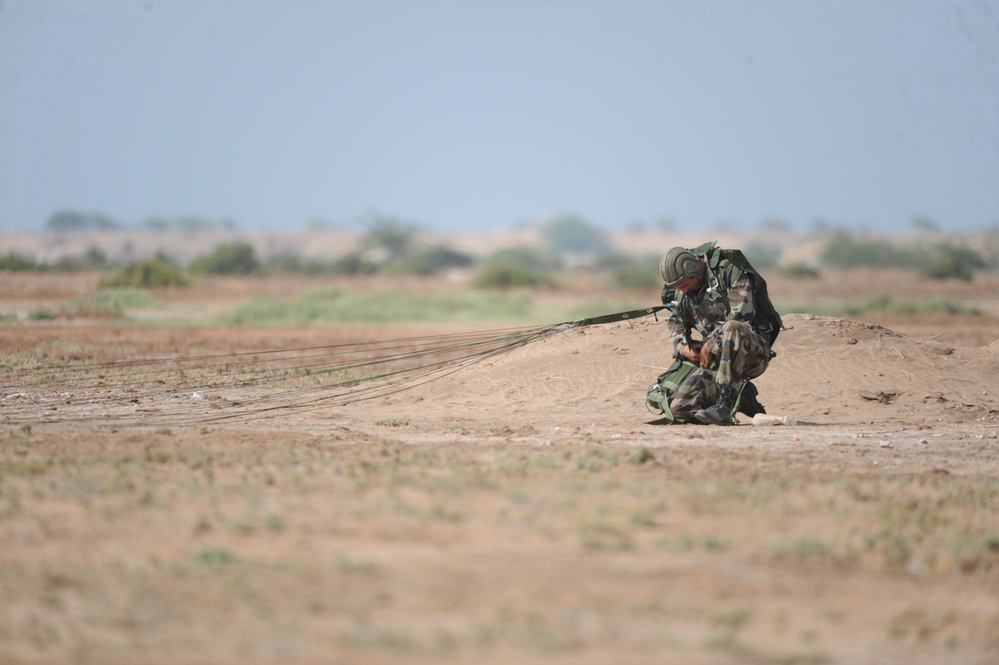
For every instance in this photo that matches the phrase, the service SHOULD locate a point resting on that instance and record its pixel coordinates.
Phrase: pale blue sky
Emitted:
(484, 113)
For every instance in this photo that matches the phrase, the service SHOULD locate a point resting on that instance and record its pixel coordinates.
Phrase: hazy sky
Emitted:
(484, 113)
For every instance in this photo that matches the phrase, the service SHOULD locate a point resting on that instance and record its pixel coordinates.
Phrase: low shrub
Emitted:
(156, 273)
(500, 276)
(763, 256)
(569, 233)
(431, 261)
(842, 250)
(631, 273)
(953, 262)
(799, 271)
(353, 264)
(948, 267)
(518, 267)
(13, 262)
(237, 258)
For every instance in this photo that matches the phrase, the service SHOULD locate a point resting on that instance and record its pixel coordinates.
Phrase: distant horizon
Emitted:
(914, 222)
(664, 224)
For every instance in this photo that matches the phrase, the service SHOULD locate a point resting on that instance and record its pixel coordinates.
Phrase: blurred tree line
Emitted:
(63, 221)
(390, 246)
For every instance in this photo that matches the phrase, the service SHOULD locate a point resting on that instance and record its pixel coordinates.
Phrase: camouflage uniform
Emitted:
(724, 322)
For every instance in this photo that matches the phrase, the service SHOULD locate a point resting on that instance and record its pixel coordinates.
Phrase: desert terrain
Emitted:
(157, 506)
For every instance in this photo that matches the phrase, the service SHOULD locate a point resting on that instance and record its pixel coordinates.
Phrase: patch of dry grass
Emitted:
(200, 544)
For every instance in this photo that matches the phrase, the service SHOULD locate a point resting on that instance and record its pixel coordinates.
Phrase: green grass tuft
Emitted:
(336, 306)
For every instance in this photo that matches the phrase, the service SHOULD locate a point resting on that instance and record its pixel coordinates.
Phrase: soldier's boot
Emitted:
(749, 401)
(721, 412)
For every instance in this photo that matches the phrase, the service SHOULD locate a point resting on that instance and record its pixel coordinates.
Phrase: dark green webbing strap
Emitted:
(610, 318)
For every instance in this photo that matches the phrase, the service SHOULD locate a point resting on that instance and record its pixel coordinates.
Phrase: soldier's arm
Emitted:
(680, 339)
(677, 335)
(741, 298)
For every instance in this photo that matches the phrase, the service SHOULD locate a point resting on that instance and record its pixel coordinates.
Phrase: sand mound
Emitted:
(828, 370)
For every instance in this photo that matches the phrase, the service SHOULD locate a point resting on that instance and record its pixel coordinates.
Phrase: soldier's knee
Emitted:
(731, 326)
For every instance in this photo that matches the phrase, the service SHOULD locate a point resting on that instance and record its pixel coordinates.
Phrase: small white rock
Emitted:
(198, 394)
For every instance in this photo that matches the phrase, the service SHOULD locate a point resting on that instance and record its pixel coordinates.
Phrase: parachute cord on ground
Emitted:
(449, 352)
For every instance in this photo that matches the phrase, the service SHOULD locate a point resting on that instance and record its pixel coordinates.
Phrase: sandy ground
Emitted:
(526, 508)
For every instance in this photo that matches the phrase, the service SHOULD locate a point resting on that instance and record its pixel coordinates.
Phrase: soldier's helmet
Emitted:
(679, 264)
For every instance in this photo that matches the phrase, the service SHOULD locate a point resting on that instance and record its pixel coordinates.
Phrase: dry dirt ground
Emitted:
(523, 509)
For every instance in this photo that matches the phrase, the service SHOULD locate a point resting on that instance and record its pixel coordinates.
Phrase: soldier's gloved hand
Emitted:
(692, 352)
(706, 356)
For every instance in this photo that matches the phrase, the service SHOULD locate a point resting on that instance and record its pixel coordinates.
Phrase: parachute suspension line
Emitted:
(344, 365)
(49, 375)
(334, 374)
(394, 381)
(381, 385)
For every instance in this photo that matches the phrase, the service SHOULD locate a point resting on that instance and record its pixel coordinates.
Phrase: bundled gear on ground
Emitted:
(659, 394)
